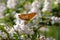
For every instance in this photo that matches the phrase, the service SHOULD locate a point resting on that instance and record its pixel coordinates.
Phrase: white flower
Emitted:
(42, 37)
(2, 8)
(44, 9)
(7, 28)
(28, 30)
(25, 12)
(47, 5)
(11, 31)
(18, 27)
(35, 6)
(34, 10)
(17, 20)
(27, 6)
(11, 3)
(55, 20)
(4, 35)
(23, 28)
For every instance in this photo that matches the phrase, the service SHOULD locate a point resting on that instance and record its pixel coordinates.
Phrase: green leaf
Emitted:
(15, 36)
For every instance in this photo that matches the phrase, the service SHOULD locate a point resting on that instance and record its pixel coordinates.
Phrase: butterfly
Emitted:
(27, 17)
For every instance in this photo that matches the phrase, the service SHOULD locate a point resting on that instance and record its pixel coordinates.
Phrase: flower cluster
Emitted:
(2, 8)
(35, 7)
(55, 20)
(11, 3)
(47, 5)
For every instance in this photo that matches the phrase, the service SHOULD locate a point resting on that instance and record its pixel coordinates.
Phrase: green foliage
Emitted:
(9, 17)
(15, 36)
(4, 30)
(53, 31)
(56, 10)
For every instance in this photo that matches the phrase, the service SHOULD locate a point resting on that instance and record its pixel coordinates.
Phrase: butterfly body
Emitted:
(27, 16)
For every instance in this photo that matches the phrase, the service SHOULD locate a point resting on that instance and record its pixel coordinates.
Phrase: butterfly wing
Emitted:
(24, 16)
(31, 15)
(27, 16)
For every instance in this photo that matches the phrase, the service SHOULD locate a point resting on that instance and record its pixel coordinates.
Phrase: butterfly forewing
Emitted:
(27, 16)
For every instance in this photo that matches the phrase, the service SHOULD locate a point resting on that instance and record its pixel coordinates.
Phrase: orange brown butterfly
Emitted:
(27, 17)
